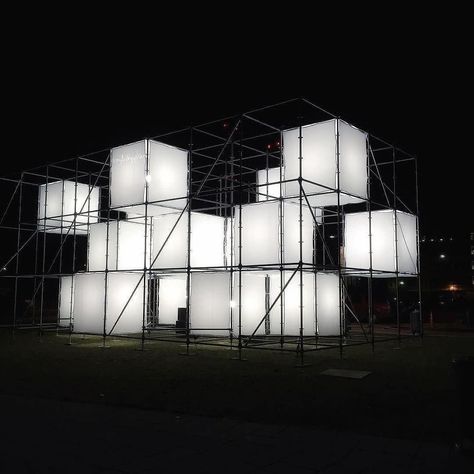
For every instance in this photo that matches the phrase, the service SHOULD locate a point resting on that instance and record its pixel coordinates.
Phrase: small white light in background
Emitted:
(442, 256)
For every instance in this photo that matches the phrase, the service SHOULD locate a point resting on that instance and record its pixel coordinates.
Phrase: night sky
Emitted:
(82, 98)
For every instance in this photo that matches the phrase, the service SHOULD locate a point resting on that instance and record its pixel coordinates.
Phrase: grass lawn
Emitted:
(409, 394)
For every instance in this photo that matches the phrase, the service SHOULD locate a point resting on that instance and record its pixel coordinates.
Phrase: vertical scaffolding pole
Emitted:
(188, 266)
(17, 260)
(282, 249)
(300, 231)
(397, 279)
(369, 281)
(418, 246)
(43, 264)
(339, 273)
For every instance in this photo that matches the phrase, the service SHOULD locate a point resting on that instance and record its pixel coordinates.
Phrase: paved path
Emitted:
(46, 436)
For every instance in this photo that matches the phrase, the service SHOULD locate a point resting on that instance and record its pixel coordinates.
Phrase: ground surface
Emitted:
(410, 396)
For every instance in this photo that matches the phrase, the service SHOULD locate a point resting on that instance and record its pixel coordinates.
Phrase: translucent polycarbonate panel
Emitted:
(292, 303)
(327, 304)
(172, 295)
(318, 151)
(357, 244)
(292, 236)
(407, 242)
(131, 245)
(152, 210)
(167, 174)
(120, 288)
(170, 252)
(98, 249)
(207, 240)
(252, 308)
(265, 190)
(275, 303)
(352, 160)
(89, 294)
(66, 300)
(261, 239)
(127, 174)
(89, 299)
(260, 233)
(57, 201)
(210, 303)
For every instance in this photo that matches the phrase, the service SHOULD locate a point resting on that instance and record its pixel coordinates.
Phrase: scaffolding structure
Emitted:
(234, 164)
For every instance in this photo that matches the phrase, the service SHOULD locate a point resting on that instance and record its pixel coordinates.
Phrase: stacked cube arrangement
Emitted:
(259, 243)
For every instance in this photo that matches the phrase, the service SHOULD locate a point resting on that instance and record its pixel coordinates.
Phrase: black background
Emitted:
(71, 90)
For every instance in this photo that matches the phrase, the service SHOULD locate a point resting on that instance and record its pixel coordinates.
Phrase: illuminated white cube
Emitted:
(389, 238)
(319, 162)
(171, 296)
(207, 241)
(210, 304)
(90, 296)
(328, 306)
(151, 166)
(261, 240)
(125, 248)
(66, 208)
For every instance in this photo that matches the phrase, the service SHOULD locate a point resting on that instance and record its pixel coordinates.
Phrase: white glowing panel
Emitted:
(327, 304)
(252, 308)
(168, 174)
(352, 160)
(66, 300)
(172, 295)
(268, 181)
(210, 304)
(170, 241)
(89, 300)
(261, 240)
(207, 241)
(125, 249)
(128, 165)
(382, 227)
(292, 303)
(319, 162)
(407, 242)
(60, 201)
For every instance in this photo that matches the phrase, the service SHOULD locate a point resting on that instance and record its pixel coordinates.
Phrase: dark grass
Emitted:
(410, 393)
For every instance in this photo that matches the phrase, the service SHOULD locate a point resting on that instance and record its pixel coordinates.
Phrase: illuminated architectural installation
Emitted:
(243, 232)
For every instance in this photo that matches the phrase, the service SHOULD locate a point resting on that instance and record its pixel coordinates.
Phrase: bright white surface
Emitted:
(89, 303)
(168, 174)
(97, 249)
(292, 304)
(319, 156)
(172, 295)
(126, 245)
(210, 303)
(319, 163)
(253, 303)
(261, 234)
(207, 240)
(352, 160)
(407, 242)
(268, 191)
(357, 243)
(127, 174)
(61, 205)
(327, 303)
(175, 251)
(66, 300)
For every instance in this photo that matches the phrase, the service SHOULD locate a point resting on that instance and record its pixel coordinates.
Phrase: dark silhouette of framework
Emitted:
(224, 156)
